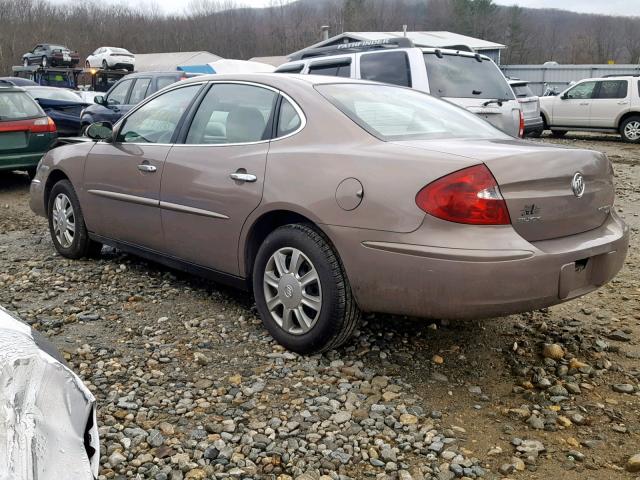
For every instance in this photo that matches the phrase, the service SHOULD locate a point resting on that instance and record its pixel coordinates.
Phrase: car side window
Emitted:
(340, 68)
(233, 113)
(119, 93)
(613, 89)
(162, 82)
(582, 91)
(288, 120)
(386, 67)
(156, 121)
(139, 90)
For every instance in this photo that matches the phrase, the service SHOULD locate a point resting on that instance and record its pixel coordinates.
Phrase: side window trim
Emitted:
(187, 120)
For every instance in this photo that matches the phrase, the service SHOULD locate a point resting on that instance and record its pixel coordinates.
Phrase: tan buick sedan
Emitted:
(328, 197)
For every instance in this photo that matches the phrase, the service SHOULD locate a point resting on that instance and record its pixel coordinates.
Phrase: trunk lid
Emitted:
(537, 183)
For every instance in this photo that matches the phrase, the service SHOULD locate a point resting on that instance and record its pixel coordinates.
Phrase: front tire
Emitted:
(25, 62)
(104, 65)
(87, 64)
(66, 223)
(44, 62)
(630, 130)
(558, 133)
(302, 292)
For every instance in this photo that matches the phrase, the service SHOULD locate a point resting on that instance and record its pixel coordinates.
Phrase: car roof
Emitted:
(10, 88)
(155, 74)
(278, 79)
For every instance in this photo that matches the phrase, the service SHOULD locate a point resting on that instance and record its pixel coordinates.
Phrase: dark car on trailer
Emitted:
(51, 55)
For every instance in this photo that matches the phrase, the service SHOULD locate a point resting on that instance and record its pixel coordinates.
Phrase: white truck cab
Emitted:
(463, 77)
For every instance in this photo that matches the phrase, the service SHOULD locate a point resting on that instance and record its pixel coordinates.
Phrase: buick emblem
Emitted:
(578, 185)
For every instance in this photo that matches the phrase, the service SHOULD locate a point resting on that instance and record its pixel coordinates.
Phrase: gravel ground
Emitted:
(190, 385)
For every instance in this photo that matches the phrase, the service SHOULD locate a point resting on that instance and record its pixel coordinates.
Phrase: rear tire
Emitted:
(287, 313)
(104, 65)
(66, 223)
(87, 64)
(25, 62)
(558, 133)
(630, 129)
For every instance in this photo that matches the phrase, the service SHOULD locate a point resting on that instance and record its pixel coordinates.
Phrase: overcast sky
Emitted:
(608, 7)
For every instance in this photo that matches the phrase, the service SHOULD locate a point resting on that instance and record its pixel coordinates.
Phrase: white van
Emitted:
(463, 77)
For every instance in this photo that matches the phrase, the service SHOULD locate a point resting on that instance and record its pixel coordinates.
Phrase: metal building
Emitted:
(560, 76)
(420, 39)
(149, 62)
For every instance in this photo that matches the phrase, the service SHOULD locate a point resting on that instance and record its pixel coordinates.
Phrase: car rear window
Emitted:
(18, 105)
(54, 94)
(162, 82)
(386, 67)
(460, 76)
(119, 50)
(522, 90)
(394, 113)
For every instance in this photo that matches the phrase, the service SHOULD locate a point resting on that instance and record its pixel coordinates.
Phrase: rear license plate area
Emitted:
(13, 140)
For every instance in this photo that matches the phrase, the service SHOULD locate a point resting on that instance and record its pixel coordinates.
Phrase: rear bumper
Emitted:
(533, 124)
(121, 66)
(19, 160)
(467, 277)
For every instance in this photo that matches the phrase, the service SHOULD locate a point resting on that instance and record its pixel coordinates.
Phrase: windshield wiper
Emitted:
(499, 101)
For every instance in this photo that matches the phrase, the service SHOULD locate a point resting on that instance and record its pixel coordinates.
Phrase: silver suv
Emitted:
(463, 77)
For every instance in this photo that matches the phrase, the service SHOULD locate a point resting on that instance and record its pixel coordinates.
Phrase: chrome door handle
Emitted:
(243, 177)
(622, 103)
(147, 168)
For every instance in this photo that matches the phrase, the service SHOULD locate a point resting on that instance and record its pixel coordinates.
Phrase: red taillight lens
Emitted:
(521, 131)
(39, 125)
(43, 125)
(468, 196)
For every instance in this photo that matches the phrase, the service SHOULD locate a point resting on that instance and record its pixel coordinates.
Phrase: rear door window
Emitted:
(334, 69)
(460, 76)
(386, 67)
(119, 93)
(139, 90)
(162, 82)
(233, 113)
(18, 105)
(612, 89)
(288, 120)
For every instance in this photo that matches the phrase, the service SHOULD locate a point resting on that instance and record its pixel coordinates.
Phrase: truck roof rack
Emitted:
(363, 46)
(622, 75)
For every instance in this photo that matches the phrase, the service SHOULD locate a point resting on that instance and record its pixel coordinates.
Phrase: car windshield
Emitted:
(18, 105)
(57, 79)
(393, 113)
(54, 94)
(522, 90)
(461, 76)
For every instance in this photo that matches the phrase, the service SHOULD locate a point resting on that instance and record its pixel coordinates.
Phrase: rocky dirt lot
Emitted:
(189, 384)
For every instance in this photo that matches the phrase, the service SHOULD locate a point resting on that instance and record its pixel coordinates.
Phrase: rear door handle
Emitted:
(586, 103)
(243, 177)
(623, 102)
(145, 167)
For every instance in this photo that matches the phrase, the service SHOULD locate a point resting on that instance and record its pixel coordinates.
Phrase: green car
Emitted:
(26, 132)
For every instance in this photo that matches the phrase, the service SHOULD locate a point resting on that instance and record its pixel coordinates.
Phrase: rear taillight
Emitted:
(470, 195)
(43, 125)
(521, 131)
(39, 125)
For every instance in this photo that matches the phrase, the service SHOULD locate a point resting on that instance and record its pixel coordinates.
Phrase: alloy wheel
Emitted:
(64, 220)
(292, 290)
(632, 130)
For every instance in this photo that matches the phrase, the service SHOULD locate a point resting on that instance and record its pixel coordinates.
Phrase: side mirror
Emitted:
(99, 99)
(564, 96)
(100, 131)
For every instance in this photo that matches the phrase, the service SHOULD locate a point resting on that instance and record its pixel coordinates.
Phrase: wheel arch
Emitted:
(54, 177)
(625, 116)
(262, 226)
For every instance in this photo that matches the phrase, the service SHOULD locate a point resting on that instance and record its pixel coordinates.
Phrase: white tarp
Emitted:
(227, 65)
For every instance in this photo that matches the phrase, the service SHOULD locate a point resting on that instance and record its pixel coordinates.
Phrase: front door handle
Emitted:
(243, 177)
(145, 167)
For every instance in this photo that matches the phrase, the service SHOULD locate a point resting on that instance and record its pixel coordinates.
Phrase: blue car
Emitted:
(63, 106)
(126, 93)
